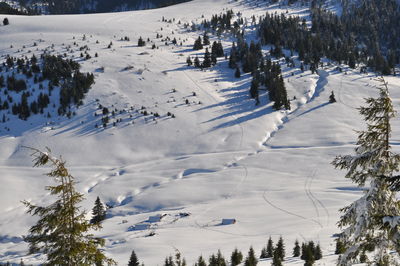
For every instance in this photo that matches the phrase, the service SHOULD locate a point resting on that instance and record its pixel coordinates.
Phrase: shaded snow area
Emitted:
(221, 157)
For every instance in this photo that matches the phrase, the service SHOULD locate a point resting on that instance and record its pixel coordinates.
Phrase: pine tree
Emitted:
(280, 248)
(189, 61)
(296, 249)
(317, 252)
(374, 163)
(276, 259)
(133, 260)
(270, 248)
(263, 253)
(198, 44)
(200, 262)
(206, 40)
(340, 247)
(236, 257)
(61, 231)
(251, 259)
(332, 98)
(98, 212)
(207, 59)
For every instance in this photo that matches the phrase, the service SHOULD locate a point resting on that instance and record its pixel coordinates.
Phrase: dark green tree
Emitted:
(62, 230)
(200, 262)
(251, 259)
(369, 223)
(236, 257)
(332, 98)
(280, 248)
(276, 259)
(296, 249)
(133, 260)
(270, 248)
(98, 212)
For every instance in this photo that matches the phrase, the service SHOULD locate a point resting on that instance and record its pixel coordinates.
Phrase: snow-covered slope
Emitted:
(220, 157)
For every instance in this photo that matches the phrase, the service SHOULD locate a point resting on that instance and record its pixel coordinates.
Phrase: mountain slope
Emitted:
(220, 157)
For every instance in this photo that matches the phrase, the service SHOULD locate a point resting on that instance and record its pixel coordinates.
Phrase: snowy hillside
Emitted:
(211, 153)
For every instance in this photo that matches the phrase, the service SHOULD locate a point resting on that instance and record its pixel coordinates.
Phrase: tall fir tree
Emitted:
(133, 260)
(296, 249)
(270, 248)
(62, 230)
(280, 248)
(98, 212)
(236, 257)
(374, 163)
(200, 262)
(251, 259)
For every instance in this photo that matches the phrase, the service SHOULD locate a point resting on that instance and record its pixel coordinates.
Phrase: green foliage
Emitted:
(280, 249)
(200, 262)
(98, 212)
(62, 230)
(133, 260)
(363, 220)
(270, 248)
(296, 249)
(251, 259)
(236, 257)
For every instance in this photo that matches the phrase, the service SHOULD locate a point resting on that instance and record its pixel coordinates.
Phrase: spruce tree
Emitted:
(296, 249)
(200, 262)
(280, 248)
(374, 163)
(276, 259)
(62, 230)
(236, 257)
(251, 259)
(332, 98)
(98, 212)
(270, 248)
(133, 260)
(207, 59)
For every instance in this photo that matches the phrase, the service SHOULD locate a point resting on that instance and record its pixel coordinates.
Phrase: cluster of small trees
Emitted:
(58, 71)
(364, 33)
(210, 59)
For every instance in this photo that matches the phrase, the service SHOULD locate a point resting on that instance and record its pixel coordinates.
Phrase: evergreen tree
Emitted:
(207, 59)
(6, 22)
(236, 257)
(141, 42)
(206, 40)
(189, 61)
(296, 249)
(317, 252)
(251, 259)
(332, 98)
(98, 212)
(133, 260)
(61, 231)
(198, 44)
(374, 163)
(263, 253)
(340, 247)
(200, 262)
(280, 248)
(270, 248)
(197, 62)
(276, 259)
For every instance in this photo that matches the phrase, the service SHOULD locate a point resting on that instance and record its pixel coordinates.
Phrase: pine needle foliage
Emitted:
(62, 230)
(374, 163)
